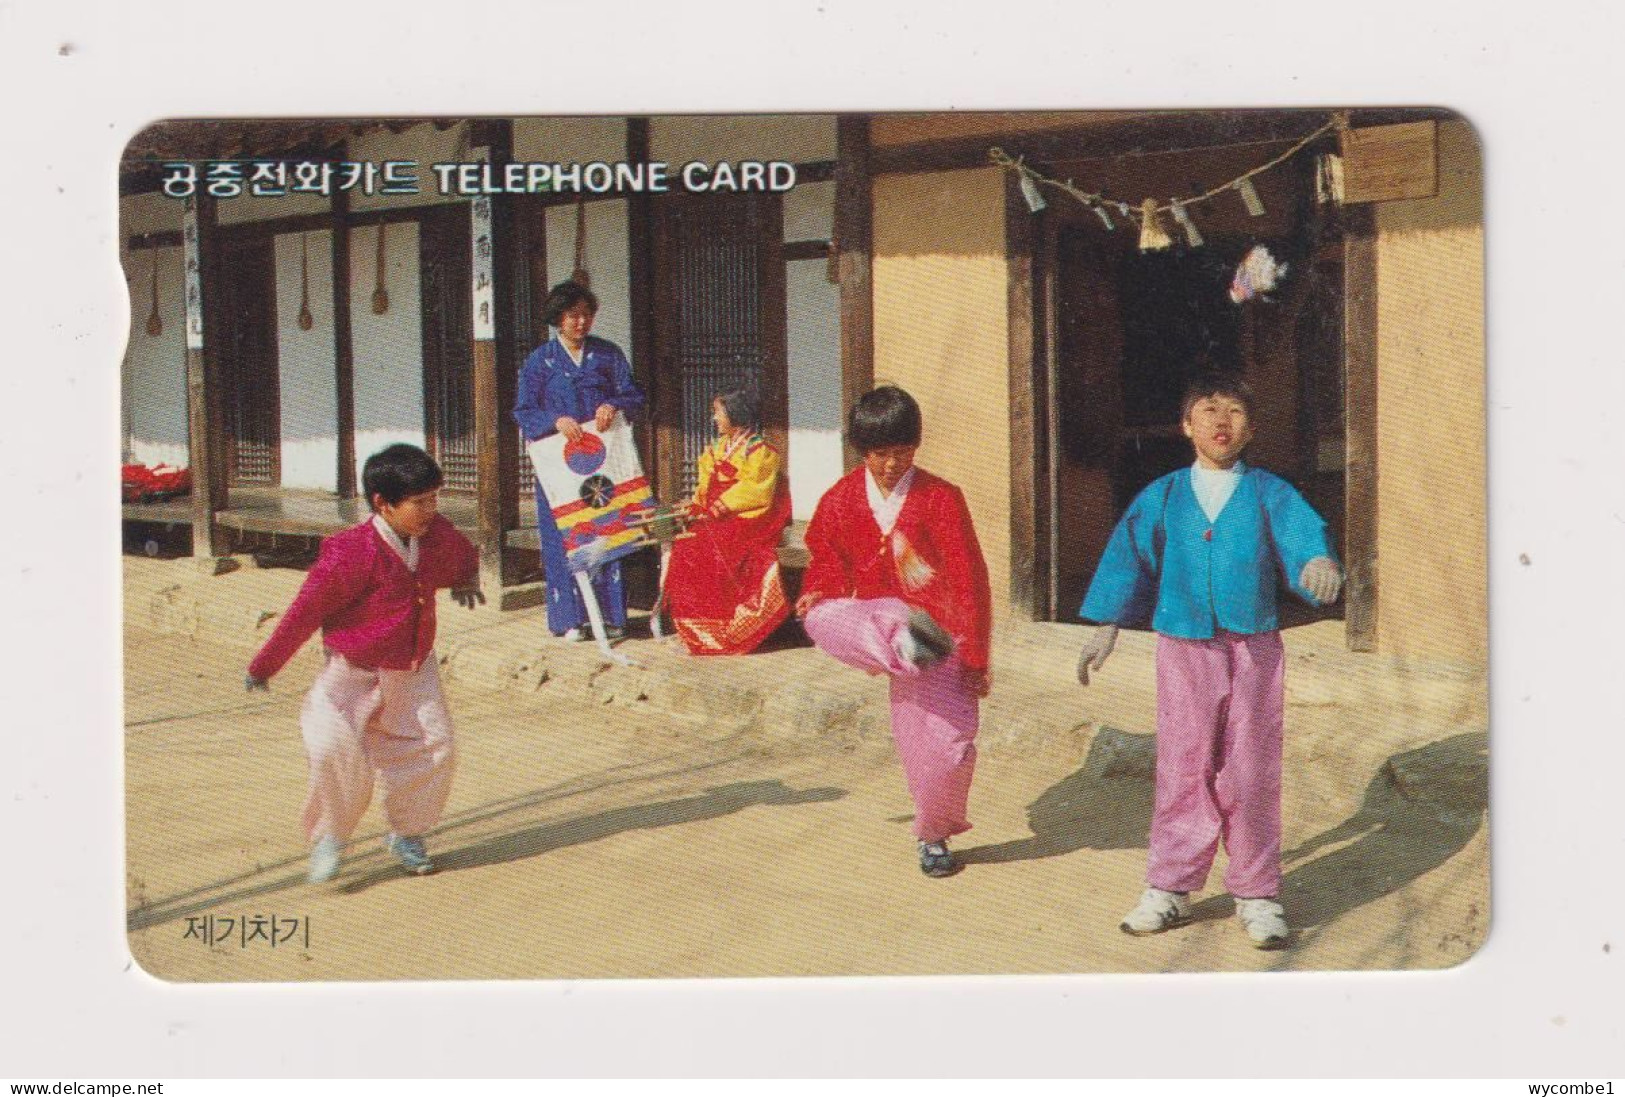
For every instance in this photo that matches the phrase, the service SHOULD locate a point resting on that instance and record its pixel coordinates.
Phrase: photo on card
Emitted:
(805, 545)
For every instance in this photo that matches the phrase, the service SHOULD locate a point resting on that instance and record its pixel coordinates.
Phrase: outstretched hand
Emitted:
(468, 597)
(1095, 650)
(1322, 578)
(251, 684)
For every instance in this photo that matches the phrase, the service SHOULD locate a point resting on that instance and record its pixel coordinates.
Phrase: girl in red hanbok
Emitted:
(897, 585)
(722, 583)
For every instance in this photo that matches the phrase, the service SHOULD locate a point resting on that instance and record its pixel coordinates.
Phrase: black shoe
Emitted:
(931, 640)
(937, 860)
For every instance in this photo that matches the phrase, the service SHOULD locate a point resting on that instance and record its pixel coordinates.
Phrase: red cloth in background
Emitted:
(722, 583)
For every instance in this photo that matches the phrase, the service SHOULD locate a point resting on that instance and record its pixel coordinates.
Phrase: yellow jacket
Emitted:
(757, 468)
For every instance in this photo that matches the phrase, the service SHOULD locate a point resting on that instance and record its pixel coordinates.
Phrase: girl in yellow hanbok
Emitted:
(723, 582)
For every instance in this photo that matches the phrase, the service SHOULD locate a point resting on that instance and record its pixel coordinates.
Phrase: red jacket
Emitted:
(851, 559)
(370, 608)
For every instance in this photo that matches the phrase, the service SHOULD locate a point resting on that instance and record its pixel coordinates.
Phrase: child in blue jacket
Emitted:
(1199, 553)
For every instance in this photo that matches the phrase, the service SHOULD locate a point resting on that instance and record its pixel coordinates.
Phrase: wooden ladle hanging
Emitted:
(155, 323)
(580, 275)
(380, 296)
(306, 320)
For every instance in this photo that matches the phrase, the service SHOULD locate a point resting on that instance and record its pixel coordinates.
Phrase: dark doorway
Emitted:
(249, 360)
(448, 342)
(719, 323)
(1130, 329)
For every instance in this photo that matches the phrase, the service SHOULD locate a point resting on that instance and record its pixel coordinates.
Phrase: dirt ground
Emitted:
(748, 817)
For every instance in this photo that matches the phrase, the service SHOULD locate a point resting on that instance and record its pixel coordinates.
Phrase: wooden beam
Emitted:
(204, 404)
(1046, 351)
(343, 348)
(815, 171)
(640, 277)
(1029, 442)
(169, 239)
(854, 242)
(492, 261)
(1360, 372)
(1385, 163)
(1171, 131)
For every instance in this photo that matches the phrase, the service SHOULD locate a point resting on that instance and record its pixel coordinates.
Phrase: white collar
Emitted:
(886, 508)
(572, 355)
(1214, 487)
(406, 550)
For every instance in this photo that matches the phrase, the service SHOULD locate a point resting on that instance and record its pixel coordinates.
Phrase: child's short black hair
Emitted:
(743, 405)
(1216, 384)
(888, 416)
(398, 471)
(564, 297)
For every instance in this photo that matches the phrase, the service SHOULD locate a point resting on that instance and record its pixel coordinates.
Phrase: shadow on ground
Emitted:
(557, 834)
(713, 803)
(1106, 804)
(1420, 809)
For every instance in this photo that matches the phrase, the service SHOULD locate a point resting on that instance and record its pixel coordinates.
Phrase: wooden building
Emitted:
(1042, 345)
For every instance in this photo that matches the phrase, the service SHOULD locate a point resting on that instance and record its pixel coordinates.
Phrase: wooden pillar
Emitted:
(205, 405)
(1029, 419)
(1360, 373)
(343, 346)
(854, 237)
(640, 260)
(494, 441)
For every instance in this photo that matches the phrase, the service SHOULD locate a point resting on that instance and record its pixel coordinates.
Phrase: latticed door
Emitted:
(252, 396)
(720, 322)
(448, 367)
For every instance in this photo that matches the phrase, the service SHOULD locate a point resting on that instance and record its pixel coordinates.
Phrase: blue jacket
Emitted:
(1166, 562)
(551, 385)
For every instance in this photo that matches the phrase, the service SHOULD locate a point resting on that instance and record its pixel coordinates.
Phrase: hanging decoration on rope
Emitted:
(306, 320)
(1152, 238)
(1259, 273)
(1193, 235)
(155, 322)
(579, 273)
(1147, 213)
(380, 295)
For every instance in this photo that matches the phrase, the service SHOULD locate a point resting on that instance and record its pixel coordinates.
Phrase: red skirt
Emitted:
(723, 582)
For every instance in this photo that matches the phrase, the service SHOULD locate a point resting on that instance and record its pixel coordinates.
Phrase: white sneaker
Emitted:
(1156, 911)
(1264, 921)
(324, 860)
(572, 636)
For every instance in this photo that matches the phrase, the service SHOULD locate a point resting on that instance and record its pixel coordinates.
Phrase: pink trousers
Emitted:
(390, 725)
(1220, 706)
(934, 714)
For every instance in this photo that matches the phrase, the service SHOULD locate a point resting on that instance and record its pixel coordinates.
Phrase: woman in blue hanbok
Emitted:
(569, 380)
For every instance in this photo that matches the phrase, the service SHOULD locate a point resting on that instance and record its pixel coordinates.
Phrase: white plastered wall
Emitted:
(248, 207)
(569, 140)
(422, 145)
(388, 349)
(798, 138)
(306, 364)
(153, 391)
(814, 338)
(606, 259)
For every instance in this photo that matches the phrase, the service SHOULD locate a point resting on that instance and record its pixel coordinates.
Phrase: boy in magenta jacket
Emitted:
(376, 710)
